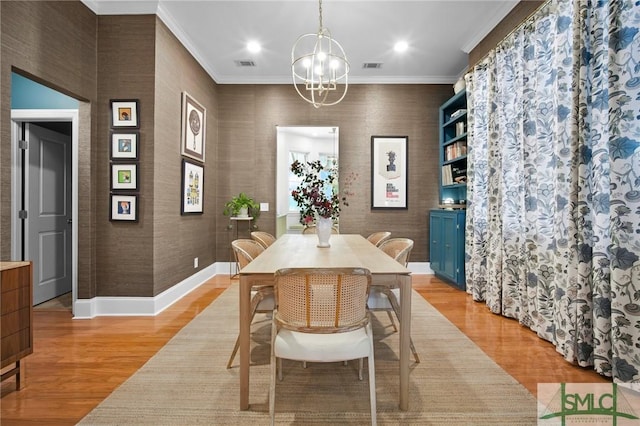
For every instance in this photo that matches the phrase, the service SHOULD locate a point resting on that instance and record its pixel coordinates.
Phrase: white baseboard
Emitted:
(151, 306)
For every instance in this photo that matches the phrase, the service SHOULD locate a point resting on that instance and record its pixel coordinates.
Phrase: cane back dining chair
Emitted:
(387, 297)
(262, 298)
(311, 229)
(378, 238)
(321, 316)
(264, 238)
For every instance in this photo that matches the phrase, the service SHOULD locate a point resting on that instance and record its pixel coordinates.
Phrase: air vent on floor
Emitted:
(372, 65)
(245, 63)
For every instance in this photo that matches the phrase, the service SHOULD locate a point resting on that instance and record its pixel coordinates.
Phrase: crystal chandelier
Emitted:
(320, 67)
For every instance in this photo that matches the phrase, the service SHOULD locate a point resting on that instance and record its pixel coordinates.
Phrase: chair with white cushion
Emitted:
(262, 298)
(387, 297)
(321, 316)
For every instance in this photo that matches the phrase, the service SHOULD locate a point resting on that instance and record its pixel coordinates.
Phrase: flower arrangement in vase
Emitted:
(317, 194)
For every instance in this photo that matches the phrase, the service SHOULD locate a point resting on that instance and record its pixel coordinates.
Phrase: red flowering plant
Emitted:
(317, 193)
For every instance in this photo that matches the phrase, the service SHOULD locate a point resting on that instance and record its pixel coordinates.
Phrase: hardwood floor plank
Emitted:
(78, 363)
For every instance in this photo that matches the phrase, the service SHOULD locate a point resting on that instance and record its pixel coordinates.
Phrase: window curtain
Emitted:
(553, 214)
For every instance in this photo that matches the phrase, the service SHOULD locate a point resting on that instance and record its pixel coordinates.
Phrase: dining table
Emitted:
(302, 251)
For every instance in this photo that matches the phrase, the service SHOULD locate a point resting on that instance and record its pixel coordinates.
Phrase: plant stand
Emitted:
(237, 220)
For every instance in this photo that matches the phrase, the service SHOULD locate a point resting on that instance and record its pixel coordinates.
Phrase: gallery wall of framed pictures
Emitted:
(124, 149)
(192, 145)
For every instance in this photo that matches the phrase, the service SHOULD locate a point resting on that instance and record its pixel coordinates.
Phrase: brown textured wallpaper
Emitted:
(126, 70)
(247, 148)
(53, 43)
(94, 59)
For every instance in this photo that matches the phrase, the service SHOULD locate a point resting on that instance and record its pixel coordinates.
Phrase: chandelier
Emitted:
(319, 66)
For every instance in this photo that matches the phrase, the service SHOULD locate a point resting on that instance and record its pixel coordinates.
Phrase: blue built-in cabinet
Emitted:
(447, 224)
(446, 245)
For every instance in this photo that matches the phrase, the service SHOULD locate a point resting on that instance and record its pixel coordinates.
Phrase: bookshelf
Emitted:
(447, 223)
(453, 149)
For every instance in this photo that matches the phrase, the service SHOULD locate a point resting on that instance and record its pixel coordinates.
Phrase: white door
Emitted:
(48, 199)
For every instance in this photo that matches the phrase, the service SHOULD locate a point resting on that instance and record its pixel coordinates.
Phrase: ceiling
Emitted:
(440, 34)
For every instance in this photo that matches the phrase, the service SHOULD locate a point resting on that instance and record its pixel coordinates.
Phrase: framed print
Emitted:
(124, 176)
(124, 146)
(194, 117)
(389, 172)
(124, 113)
(192, 188)
(124, 207)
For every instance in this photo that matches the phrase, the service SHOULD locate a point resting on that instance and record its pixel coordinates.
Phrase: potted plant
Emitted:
(242, 205)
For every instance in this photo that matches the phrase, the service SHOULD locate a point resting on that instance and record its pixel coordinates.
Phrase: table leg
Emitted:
(405, 338)
(245, 330)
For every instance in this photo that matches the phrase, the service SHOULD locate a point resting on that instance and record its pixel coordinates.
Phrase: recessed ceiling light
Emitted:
(253, 47)
(401, 46)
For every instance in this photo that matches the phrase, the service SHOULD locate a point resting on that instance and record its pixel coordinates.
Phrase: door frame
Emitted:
(19, 116)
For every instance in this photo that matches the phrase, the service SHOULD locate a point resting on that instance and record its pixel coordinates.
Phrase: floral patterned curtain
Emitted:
(553, 215)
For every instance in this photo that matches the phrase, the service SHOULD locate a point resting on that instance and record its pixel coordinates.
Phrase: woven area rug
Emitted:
(187, 381)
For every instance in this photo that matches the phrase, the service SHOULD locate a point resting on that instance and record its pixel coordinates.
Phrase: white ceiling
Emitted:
(440, 34)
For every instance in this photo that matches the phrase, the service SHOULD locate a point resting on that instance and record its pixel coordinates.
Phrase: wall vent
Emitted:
(245, 63)
(372, 65)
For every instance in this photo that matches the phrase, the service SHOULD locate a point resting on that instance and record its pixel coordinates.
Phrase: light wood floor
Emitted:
(77, 363)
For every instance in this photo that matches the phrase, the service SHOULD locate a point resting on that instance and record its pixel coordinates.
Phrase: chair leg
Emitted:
(393, 323)
(372, 381)
(396, 308)
(254, 307)
(360, 365)
(233, 354)
(272, 380)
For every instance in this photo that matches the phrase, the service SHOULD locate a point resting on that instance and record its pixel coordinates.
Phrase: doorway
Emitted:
(302, 143)
(44, 198)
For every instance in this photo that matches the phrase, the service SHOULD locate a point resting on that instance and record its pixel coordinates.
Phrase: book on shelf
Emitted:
(455, 150)
(458, 113)
(452, 175)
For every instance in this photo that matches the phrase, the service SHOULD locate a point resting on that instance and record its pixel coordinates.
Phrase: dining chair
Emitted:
(262, 298)
(264, 238)
(378, 238)
(387, 297)
(311, 229)
(321, 316)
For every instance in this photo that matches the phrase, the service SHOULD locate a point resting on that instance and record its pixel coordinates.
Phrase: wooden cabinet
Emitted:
(16, 281)
(447, 245)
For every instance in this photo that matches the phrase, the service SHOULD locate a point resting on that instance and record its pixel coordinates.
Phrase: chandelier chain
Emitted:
(320, 9)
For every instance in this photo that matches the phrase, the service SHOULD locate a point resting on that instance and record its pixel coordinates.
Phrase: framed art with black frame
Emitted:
(125, 113)
(192, 188)
(124, 176)
(124, 207)
(389, 172)
(194, 117)
(124, 146)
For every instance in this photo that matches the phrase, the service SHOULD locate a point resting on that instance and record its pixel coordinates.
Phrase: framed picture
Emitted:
(192, 188)
(124, 207)
(124, 113)
(124, 176)
(194, 117)
(389, 172)
(124, 146)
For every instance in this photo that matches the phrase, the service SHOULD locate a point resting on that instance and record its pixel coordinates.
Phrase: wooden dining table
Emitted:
(301, 251)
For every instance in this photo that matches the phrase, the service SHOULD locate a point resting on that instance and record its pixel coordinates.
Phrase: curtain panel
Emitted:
(553, 211)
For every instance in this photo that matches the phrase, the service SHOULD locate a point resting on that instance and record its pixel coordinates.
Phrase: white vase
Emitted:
(323, 229)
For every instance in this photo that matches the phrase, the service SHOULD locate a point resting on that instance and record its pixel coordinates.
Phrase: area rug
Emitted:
(187, 381)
